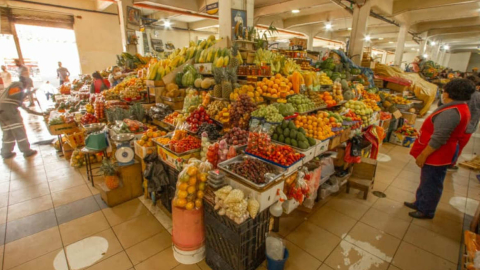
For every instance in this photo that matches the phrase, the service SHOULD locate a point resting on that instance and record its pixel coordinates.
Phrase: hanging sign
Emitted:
(212, 8)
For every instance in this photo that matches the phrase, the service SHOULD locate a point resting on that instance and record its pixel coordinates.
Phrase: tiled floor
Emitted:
(50, 218)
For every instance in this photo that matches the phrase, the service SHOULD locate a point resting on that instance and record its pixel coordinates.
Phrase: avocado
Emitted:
(279, 130)
(288, 141)
(303, 145)
(286, 132)
(294, 143)
(311, 141)
(302, 131)
(291, 125)
(275, 137)
(281, 139)
(293, 133)
(300, 136)
(284, 124)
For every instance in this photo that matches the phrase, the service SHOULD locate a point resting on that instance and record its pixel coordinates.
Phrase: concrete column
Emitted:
(250, 12)
(359, 28)
(436, 52)
(402, 35)
(224, 18)
(423, 46)
(124, 25)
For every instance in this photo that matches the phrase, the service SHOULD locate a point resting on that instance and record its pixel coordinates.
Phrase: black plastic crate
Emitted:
(166, 197)
(240, 246)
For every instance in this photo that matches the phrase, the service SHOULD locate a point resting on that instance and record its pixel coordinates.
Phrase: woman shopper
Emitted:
(435, 147)
(99, 84)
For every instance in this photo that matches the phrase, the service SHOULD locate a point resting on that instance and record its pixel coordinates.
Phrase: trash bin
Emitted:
(277, 264)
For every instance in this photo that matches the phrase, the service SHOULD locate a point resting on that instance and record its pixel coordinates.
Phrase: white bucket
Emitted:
(189, 257)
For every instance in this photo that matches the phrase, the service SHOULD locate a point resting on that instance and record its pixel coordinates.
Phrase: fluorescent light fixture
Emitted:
(167, 24)
(391, 42)
(380, 38)
(328, 26)
(425, 56)
(433, 43)
(295, 11)
(349, 29)
(367, 38)
(446, 47)
(413, 49)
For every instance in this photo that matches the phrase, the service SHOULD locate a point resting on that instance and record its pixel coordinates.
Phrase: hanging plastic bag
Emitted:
(191, 185)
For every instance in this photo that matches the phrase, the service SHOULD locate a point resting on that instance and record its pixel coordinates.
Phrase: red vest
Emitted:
(443, 155)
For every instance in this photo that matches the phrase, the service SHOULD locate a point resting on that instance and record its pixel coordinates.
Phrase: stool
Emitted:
(87, 153)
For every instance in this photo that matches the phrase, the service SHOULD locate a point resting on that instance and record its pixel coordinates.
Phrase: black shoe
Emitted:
(419, 215)
(452, 168)
(410, 205)
(30, 153)
(8, 156)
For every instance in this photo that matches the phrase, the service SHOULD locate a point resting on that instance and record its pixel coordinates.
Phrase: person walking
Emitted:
(11, 121)
(27, 82)
(436, 144)
(48, 89)
(6, 76)
(99, 84)
(62, 74)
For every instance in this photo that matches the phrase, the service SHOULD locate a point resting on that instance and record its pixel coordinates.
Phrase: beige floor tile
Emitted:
(347, 256)
(119, 261)
(385, 222)
(187, 267)
(325, 267)
(20, 184)
(28, 193)
(289, 222)
(433, 242)
(409, 176)
(4, 187)
(442, 226)
(80, 228)
(373, 241)
(405, 184)
(3, 215)
(31, 247)
(399, 195)
(124, 212)
(451, 212)
(27, 173)
(447, 196)
(153, 245)
(412, 167)
(350, 208)
(70, 195)
(54, 260)
(3, 199)
(92, 250)
(137, 229)
(160, 261)
(62, 184)
(314, 240)
(379, 186)
(61, 173)
(29, 207)
(298, 259)
(384, 176)
(332, 221)
(413, 258)
(393, 267)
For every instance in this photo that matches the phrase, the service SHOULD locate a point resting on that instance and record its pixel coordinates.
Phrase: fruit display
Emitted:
(162, 140)
(234, 204)
(192, 100)
(311, 80)
(274, 59)
(212, 154)
(361, 110)
(78, 158)
(315, 98)
(371, 104)
(185, 144)
(223, 116)
(191, 185)
(211, 130)
(249, 90)
(301, 103)
(285, 109)
(149, 136)
(275, 87)
(407, 131)
(328, 98)
(240, 112)
(197, 117)
(280, 154)
(316, 126)
(324, 79)
(89, 108)
(289, 134)
(270, 113)
(159, 111)
(100, 108)
(216, 106)
(172, 91)
(204, 146)
(89, 118)
(337, 92)
(205, 83)
(385, 116)
(371, 96)
(236, 136)
(252, 169)
(399, 100)
(174, 118)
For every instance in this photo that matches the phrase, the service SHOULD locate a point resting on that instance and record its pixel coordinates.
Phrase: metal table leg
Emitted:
(60, 144)
(88, 164)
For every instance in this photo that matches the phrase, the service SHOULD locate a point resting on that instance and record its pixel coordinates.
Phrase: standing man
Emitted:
(24, 77)
(6, 76)
(62, 73)
(11, 122)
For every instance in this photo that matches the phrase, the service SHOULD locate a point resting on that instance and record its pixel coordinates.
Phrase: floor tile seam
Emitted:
(91, 195)
(131, 218)
(146, 259)
(321, 262)
(396, 237)
(6, 224)
(292, 230)
(356, 221)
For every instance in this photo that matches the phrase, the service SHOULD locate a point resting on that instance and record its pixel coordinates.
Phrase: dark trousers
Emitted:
(430, 189)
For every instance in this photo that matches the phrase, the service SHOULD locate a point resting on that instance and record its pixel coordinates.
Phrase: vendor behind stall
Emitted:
(116, 76)
(99, 84)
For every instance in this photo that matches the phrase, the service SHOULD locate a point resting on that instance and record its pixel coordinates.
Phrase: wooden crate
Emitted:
(62, 129)
(151, 83)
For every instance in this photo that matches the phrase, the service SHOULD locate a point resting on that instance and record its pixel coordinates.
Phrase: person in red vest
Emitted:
(436, 144)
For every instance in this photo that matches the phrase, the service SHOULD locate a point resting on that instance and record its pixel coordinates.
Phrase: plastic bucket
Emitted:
(277, 264)
(188, 231)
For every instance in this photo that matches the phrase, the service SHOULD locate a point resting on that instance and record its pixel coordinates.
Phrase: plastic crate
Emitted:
(235, 246)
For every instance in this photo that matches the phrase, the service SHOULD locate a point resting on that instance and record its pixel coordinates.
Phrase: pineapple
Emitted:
(227, 87)
(218, 77)
(234, 62)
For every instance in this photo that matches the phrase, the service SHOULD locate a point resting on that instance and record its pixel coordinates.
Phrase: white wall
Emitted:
(474, 62)
(179, 38)
(97, 35)
(459, 61)
(408, 58)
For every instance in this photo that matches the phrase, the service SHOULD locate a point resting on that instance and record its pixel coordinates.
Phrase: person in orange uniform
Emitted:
(436, 144)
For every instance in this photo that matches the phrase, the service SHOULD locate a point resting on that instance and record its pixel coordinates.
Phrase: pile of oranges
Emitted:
(190, 188)
(328, 98)
(317, 126)
(275, 87)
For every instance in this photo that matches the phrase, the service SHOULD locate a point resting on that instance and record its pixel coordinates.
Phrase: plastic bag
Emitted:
(191, 185)
(275, 247)
(78, 159)
(327, 167)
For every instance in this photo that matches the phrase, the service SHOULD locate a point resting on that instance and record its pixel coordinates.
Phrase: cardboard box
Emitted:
(334, 142)
(321, 147)
(174, 160)
(345, 136)
(151, 83)
(400, 139)
(363, 176)
(204, 68)
(143, 151)
(410, 118)
(155, 91)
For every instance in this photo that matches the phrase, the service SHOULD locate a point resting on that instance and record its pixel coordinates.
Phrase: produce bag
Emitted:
(78, 159)
(233, 203)
(275, 247)
(191, 185)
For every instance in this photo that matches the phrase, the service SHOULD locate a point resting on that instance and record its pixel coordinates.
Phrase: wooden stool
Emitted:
(363, 176)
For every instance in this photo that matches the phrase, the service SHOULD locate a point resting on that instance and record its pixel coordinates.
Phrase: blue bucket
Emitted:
(277, 264)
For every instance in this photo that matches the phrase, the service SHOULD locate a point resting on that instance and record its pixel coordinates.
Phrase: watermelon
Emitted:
(178, 78)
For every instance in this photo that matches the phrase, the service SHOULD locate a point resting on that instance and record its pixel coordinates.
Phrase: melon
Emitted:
(198, 83)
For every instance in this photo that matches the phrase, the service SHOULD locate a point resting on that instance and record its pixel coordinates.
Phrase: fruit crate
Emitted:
(143, 151)
(235, 246)
(62, 129)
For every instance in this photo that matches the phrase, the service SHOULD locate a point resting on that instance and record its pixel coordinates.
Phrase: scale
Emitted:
(124, 154)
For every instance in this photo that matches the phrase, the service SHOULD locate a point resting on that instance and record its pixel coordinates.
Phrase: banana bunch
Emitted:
(289, 67)
(163, 67)
(89, 108)
(221, 58)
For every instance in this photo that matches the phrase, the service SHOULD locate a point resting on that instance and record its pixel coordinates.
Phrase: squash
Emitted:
(206, 83)
(198, 83)
(296, 81)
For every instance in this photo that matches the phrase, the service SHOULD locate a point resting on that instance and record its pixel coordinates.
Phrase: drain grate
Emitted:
(379, 194)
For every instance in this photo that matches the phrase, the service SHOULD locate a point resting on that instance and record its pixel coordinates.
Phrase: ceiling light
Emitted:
(425, 56)
(295, 11)
(446, 47)
(167, 24)
(349, 29)
(367, 38)
(433, 43)
(390, 42)
(380, 38)
(328, 26)
(413, 49)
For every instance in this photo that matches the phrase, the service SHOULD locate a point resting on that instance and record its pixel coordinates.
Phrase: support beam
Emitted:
(183, 5)
(359, 27)
(402, 35)
(445, 24)
(287, 6)
(409, 5)
(102, 5)
(250, 12)
(224, 19)
(316, 18)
